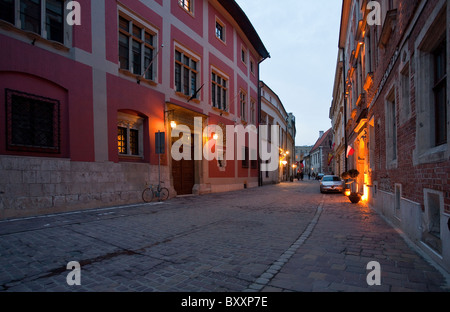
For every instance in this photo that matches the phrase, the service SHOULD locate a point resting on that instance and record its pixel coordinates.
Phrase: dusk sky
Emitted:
(302, 39)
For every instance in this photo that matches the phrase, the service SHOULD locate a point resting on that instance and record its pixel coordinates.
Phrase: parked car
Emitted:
(331, 183)
(319, 176)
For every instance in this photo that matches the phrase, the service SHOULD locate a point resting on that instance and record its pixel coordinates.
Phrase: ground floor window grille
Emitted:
(33, 123)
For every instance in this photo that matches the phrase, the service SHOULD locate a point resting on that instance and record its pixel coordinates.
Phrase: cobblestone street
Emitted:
(285, 237)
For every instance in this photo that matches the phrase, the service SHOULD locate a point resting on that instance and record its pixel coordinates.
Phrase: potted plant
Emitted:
(355, 197)
(353, 173)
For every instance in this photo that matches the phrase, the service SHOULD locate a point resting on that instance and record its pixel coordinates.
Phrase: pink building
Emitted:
(80, 105)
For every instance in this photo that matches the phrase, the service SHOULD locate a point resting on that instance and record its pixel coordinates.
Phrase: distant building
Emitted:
(301, 152)
(320, 154)
(273, 113)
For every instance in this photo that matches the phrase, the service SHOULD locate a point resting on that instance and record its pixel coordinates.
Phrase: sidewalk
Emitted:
(346, 238)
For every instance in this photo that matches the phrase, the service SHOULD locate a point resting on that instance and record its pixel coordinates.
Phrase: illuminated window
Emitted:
(122, 140)
(130, 130)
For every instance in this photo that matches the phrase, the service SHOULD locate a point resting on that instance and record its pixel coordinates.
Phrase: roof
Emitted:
(321, 141)
(241, 18)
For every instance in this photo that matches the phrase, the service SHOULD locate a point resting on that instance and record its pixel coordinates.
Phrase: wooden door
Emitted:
(183, 174)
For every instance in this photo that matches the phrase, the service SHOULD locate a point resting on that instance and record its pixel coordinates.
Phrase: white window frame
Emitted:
(426, 42)
(145, 27)
(67, 29)
(187, 5)
(224, 77)
(193, 57)
(244, 55)
(224, 33)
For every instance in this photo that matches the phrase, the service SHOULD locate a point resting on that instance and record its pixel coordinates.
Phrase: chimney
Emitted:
(321, 133)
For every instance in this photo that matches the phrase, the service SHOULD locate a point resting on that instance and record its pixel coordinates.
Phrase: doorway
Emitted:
(183, 171)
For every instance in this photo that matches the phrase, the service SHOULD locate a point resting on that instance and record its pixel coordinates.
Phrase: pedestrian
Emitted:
(309, 175)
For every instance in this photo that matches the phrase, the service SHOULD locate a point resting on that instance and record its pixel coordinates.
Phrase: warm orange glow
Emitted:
(347, 192)
(365, 196)
(173, 124)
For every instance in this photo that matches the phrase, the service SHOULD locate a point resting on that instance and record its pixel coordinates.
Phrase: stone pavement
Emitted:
(285, 237)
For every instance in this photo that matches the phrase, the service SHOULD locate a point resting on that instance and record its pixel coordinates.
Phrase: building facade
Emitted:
(320, 154)
(394, 60)
(84, 102)
(338, 121)
(273, 114)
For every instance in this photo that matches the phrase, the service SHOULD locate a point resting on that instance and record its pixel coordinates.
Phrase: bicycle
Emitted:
(155, 191)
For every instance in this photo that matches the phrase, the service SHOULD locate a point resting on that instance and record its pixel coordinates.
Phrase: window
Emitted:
(434, 203)
(243, 101)
(391, 130)
(130, 135)
(254, 159)
(397, 202)
(54, 20)
(252, 67)
(244, 56)
(7, 10)
(219, 91)
(33, 123)
(30, 15)
(186, 73)
(186, 4)
(405, 107)
(122, 140)
(431, 104)
(136, 48)
(440, 94)
(43, 17)
(245, 160)
(220, 31)
(252, 112)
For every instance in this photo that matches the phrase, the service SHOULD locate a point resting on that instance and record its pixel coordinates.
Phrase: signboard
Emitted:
(160, 143)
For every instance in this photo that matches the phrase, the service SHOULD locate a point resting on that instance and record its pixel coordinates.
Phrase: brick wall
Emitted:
(414, 178)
